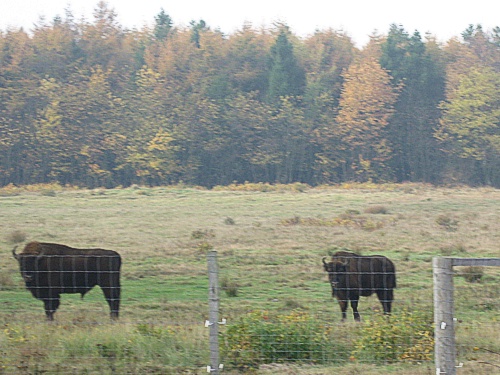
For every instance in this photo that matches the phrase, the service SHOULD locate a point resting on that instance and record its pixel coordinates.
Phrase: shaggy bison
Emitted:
(352, 275)
(50, 269)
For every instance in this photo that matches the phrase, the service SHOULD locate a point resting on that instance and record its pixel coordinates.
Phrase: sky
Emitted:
(359, 19)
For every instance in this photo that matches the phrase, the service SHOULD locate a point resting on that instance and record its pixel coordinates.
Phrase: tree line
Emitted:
(91, 103)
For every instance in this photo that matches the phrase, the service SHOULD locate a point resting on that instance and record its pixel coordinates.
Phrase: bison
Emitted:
(50, 269)
(352, 275)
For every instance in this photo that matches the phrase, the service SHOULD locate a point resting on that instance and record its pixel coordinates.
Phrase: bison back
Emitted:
(373, 272)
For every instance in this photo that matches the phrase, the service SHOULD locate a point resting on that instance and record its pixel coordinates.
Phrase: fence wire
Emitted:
(276, 309)
(283, 311)
(82, 313)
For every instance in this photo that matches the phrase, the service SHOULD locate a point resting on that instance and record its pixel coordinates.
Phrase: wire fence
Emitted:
(300, 313)
(241, 312)
(444, 308)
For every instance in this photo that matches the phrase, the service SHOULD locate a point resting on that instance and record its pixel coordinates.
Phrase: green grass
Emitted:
(270, 254)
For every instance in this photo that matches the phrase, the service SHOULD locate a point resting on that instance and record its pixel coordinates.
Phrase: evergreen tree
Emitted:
(94, 104)
(411, 129)
(286, 76)
(163, 26)
(196, 29)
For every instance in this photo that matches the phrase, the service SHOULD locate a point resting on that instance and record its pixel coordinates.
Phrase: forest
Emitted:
(94, 104)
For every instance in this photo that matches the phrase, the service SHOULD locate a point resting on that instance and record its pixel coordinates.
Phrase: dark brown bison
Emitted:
(50, 269)
(352, 276)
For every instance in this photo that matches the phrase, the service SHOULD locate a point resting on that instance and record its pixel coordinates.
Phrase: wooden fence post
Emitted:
(213, 315)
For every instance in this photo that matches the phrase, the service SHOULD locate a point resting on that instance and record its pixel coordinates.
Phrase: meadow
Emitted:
(270, 240)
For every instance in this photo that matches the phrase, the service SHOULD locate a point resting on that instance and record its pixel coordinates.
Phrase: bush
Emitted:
(48, 193)
(229, 221)
(230, 287)
(201, 234)
(447, 223)
(259, 338)
(377, 210)
(296, 187)
(6, 282)
(407, 336)
(473, 274)
(17, 236)
(458, 248)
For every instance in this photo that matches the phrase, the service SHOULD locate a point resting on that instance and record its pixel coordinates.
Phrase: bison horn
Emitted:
(324, 260)
(40, 255)
(14, 252)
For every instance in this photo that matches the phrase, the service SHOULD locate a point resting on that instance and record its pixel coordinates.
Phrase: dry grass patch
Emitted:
(270, 259)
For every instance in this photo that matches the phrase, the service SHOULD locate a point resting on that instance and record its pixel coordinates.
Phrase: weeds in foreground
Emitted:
(407, 336)
(258, 338)
(105, 349)
(261, 338)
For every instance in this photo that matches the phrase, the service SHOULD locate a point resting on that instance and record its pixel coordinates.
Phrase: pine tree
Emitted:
(411, 129)
(286, 76)
(163, 26)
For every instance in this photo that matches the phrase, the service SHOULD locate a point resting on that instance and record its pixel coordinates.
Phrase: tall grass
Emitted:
(270, 260)
(105, 348)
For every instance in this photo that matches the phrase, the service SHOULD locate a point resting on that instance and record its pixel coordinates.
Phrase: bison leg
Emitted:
(51, 305)
(112, 295)
(343, 308)
(385, 297)
(354, 306)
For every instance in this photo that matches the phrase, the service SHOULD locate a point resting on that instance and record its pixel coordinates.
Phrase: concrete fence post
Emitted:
(444, 331)
(213, 314)
(444, 324)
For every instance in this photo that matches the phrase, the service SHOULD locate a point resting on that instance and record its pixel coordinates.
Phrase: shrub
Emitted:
(200, 234)
(407, 336)
(48, 192)
(296, 220)
(230, 287)
(376, 210)
(458, 248)
(16, 236)
(296, 187)
(229, 221)
(473, 274)
(447, 223)
(6, 282)
(370, 225)
(204, 247)
(9, 191)
(351, 212)
(258, 338)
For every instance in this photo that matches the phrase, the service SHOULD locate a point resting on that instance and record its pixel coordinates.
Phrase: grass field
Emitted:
(269, 241)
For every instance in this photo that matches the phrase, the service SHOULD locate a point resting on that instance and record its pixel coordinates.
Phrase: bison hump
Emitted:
(33, 247)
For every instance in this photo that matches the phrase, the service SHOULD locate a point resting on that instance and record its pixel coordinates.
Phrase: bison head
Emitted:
(336, 271)
(28, 265)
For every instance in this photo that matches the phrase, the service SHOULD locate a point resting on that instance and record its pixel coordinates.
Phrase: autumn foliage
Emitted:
(90, 103)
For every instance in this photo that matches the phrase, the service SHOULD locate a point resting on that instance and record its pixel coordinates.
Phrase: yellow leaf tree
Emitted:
(365, 106)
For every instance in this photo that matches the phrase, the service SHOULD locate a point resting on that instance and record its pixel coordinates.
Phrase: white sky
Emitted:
(358, 18)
